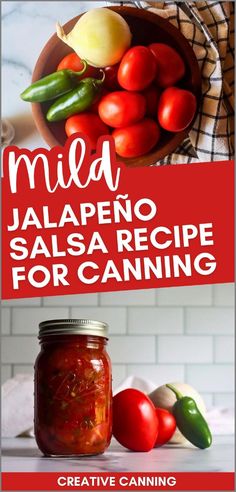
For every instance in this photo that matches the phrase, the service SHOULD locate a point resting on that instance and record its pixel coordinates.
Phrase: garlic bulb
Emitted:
(101, 37)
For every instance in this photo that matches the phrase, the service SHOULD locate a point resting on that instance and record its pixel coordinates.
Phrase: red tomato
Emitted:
(122, 108)
(74, 62)
(176, 109)
(111, 81)
(135, 423)
(167, 426)
(170, 66)
(137, 139)
(152, 96)
(89, 124)
(137, 69)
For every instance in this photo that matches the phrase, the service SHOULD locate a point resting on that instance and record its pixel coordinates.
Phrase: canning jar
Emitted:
(73, 396)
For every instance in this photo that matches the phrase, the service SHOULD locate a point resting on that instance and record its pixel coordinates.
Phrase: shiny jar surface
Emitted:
(73, 395)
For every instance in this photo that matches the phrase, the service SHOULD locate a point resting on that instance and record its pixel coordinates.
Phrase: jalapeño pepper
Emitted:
(53, 85)
(77, 100)
(190, 420)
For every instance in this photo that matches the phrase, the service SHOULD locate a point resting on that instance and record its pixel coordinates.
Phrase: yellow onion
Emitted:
(101, 37)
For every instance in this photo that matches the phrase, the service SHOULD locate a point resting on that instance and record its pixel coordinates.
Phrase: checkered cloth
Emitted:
(209, 28)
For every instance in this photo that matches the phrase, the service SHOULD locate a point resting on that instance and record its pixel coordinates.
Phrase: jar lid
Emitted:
(73, 327)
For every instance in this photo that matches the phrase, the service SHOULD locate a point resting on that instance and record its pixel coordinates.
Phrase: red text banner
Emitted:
(117, 481)
(75, 222)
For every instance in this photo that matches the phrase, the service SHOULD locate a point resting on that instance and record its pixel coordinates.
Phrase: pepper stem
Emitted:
(83, 69)
(100, 81)
(175, 391)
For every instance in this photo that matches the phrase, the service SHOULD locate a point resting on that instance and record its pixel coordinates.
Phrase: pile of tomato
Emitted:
(140, 98)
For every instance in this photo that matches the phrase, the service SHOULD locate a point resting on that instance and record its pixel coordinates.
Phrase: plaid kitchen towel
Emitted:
(209, 28)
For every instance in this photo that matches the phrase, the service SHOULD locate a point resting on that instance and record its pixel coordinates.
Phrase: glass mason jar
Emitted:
(73, 395)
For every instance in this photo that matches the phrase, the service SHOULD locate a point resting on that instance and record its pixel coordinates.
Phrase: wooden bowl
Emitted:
(146, 28)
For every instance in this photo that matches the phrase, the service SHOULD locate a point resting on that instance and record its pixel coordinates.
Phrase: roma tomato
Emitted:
(170, 66)
(137, 69)
(138, 139)
(135, 422)
(152, 96)
(111, 81)
(74, 62)
(89, 124)
(122, 108)
(176, 109)
(167, 426)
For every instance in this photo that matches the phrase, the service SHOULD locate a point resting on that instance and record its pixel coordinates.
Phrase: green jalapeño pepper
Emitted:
(77, 100)
(53, 85)
(190, 420)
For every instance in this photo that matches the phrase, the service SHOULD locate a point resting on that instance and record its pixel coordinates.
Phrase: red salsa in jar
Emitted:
(73, 396)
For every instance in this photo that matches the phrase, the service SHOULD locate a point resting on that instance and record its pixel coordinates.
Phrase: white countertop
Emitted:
(22, 454)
